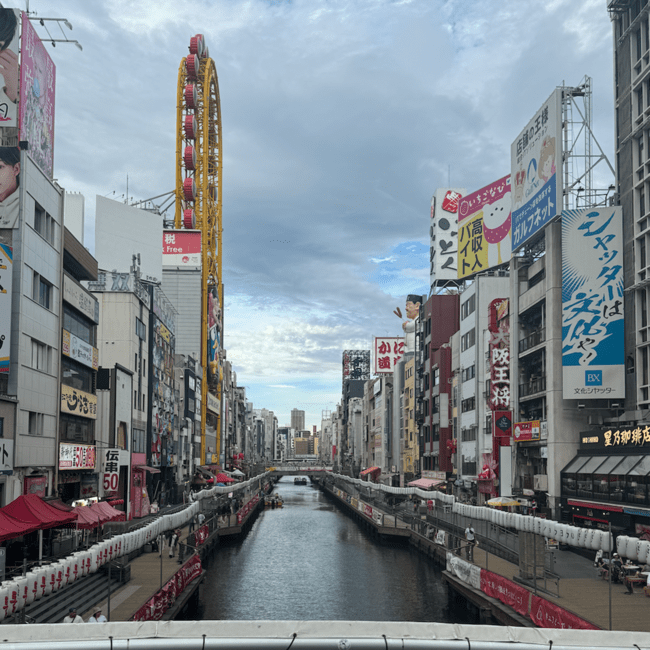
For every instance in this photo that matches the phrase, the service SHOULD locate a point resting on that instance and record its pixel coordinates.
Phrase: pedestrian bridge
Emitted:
(299, 469)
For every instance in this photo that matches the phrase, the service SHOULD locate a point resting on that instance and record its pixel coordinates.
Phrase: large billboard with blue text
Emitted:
(593, 354)
(536, 172)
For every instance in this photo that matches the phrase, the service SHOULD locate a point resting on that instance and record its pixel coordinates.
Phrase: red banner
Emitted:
(546, 614)
(506, 591)
(162, 600)
(201, 534)
(246, 508)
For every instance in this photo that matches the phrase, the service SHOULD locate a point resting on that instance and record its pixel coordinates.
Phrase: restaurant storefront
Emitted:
(608, 482)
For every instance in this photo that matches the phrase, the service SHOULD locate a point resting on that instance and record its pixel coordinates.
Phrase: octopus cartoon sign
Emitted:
(484, 221)
(536, 166)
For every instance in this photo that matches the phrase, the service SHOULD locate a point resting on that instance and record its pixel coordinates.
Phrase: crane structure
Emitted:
(199, 163)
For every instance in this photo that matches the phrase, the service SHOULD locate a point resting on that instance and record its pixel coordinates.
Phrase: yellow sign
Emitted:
(472, 247)
(638, 436)
(78, 402)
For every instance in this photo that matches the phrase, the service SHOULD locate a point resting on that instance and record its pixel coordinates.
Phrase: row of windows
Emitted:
(44, 224)
(139, 441)
(77, 376)
(42, 291)
(78, 325)
(79, 430)
(469, 433)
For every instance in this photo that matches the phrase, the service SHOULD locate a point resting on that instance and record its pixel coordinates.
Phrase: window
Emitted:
(468, 340)
(76, 375)
(35, 425)
(468, 373)
(139, 441)
(468, 307)
(140, 329)
(43, 224)
(74, 429)
(78, 325)
(41, 356)
(436, 376)
(41, 291)
(468, 434)
(469, 467)
(468, 404)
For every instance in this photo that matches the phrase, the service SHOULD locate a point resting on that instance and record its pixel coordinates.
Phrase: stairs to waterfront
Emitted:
(82, 594)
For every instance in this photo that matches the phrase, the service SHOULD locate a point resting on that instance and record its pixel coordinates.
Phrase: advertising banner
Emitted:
(10, 20)
(6, 272)
(506, 591)
(78, 402)
(546, 614)
(499, 360)
(593, 354)
(484, 228)
(37, 83)
(356, 364)
(467, 572)
(182, 248)
(536, 172)
(76, 456)
(528, 430)
(72, 346)
(444, 236)
(387, 351)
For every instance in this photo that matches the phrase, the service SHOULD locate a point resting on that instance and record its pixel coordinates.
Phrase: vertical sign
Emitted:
(9, 27)
(484, 228)
(593, 355)
(444, 236)
(37, 82)
(499, 356)
(111, 475)
(6, 267)
(536, 172)
(388, 351)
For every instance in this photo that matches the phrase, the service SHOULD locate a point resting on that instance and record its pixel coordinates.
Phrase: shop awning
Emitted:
(425, 483)
(88, 517)
(373, 471)
(146, 468)
(30, 511)
(111, 514)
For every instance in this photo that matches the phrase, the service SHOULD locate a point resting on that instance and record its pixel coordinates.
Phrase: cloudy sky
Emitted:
(340, 120)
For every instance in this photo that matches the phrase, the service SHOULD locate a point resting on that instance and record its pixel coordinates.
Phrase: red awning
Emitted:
(373, 471)
(111, 514)
(88, 517)
(425, 483)
(28, 513)
(223, 478)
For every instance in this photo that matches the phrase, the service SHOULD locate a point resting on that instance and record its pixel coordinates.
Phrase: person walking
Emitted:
(72, 616)
(471, 542)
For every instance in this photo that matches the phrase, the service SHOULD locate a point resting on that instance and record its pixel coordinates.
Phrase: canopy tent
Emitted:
(96, 514)
(425, 483)
(237, 472)
(28, 513)
(503, 502)
(373, 471)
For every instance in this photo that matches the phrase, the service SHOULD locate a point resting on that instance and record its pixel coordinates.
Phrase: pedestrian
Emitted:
(160, 542)
(471, 541)
(192, 521)
(98, 617)
(72, 616)
(176, 535)
(201, 519)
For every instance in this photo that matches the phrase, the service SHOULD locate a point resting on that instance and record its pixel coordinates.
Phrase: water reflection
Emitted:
(309, 561)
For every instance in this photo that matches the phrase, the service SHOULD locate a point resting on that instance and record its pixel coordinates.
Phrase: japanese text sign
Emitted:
(444, 235)
(78, 402)
(72, 346)
(536, 172)
(484, 228)
(182, 248)
(527, 430)
(499, 358)
(593, 355)
(387, 352)
(76, 456)
(111, 467)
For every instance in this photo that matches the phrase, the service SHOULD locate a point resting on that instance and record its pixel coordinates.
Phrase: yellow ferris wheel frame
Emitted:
(207, 205)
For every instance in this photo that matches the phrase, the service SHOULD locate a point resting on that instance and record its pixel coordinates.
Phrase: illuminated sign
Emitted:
(73, 347)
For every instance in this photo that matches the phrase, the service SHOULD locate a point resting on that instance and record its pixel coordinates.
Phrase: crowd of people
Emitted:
(626, 573)
(73, 617)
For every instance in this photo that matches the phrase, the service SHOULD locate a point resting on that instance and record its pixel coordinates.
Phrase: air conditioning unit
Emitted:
(540, 482)
(197, 461)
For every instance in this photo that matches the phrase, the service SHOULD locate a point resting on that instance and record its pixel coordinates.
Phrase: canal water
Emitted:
(310, 561)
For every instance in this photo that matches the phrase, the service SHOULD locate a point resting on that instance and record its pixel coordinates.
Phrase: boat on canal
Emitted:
(273, 501)
(300, 480)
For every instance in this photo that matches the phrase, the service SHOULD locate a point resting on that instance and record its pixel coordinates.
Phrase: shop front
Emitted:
(608, 483)
(76, 471)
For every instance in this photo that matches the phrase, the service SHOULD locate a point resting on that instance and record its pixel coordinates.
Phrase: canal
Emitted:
(309, 561)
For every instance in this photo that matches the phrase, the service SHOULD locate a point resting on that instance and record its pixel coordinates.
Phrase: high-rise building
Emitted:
(297, 419)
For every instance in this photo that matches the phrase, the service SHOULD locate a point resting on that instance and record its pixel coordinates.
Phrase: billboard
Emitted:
(72, 346)
(9, 38)
(444, 236)
(528, 430)
(214, 335)
(388, 350)
(593, 355)
(182, 248)
(37, 83)
(78, 402)
(6, 269)
(76, 456)
(356, 364)
(536, 172)
(484, 228)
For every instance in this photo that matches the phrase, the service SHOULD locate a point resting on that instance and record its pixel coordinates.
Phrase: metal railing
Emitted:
(530, 341)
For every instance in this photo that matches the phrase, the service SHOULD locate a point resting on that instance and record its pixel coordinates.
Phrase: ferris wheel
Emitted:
(198, 199)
